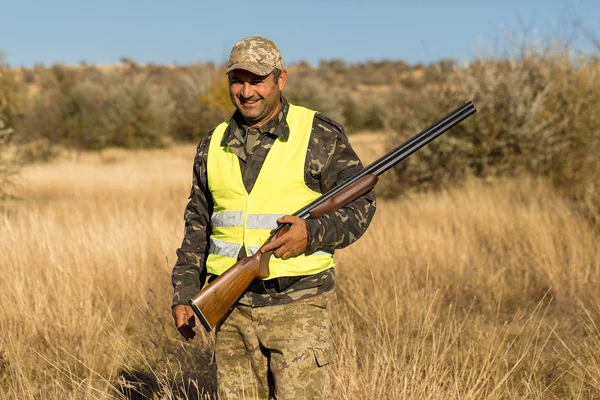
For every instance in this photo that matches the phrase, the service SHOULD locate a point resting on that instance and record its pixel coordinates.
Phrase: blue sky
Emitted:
(185, 32)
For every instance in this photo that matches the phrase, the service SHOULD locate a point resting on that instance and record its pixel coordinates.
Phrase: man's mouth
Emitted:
(249, 102)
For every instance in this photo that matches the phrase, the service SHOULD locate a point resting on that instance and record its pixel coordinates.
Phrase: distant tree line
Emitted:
(131, 105)
(537, 110)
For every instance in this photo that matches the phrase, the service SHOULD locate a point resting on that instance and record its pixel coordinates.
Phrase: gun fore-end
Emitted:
(345, 196)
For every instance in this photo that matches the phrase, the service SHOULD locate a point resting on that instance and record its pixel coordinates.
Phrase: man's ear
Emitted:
(282, 79)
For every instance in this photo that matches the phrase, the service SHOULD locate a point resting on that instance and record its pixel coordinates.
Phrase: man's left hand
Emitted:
(292, 243)
(181, 313)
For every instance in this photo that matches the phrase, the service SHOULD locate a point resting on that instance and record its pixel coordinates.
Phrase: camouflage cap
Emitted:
(255, 54)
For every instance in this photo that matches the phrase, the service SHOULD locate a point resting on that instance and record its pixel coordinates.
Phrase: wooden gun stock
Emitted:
(213, 302)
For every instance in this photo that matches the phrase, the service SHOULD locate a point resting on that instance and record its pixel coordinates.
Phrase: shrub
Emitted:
(8, 97)
(135, 114)
(7, 165)
(307, 88)
(364, 112)
(115, 110)
(537, 114)
(194, 114)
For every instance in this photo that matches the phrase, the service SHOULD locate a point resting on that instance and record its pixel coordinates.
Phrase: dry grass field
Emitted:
(487, 291)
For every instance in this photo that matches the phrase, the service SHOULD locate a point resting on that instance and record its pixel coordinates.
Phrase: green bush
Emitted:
(364, 112)
(134, 114)
(8, 100)
(111, 110)
(537, 114)
(307, 88)
(191, 117)
(8, 167)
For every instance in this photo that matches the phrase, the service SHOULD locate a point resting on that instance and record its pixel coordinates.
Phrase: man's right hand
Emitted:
(184, 320)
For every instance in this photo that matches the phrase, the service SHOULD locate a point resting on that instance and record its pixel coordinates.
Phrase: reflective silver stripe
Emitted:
(228, 218)
(253, 249)
(263, 221)
(222, 248)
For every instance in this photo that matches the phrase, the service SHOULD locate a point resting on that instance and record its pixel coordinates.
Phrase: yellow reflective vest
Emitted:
(246, 219)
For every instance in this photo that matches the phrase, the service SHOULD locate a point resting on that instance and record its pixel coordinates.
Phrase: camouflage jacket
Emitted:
(329, 161)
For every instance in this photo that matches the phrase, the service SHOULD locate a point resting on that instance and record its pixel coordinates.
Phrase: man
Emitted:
(250, 173)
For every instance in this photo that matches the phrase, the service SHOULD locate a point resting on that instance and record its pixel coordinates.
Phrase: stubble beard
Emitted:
(252, 115)
(256, 114)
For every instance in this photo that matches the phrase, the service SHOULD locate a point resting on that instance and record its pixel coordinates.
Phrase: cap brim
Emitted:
(256, 69)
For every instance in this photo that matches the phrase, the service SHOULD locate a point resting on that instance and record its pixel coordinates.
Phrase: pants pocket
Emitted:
(322, 356)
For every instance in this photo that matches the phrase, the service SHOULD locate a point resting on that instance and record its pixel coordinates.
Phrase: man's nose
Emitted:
(247, 91)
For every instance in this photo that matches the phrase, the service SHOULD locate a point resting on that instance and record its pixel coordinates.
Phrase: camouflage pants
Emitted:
(280, 351)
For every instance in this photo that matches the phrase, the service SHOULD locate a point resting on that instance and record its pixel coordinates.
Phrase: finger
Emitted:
(291, 252)
(179, 318)
(189, 312)
(287, 219)
(188, 315)
(285, 252)
(279, 252)
(286, 255)
(275, 243)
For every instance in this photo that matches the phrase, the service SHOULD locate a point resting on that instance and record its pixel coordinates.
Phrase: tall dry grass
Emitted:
(484, 291)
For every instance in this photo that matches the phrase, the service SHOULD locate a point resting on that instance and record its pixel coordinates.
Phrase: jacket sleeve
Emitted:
(333, 161)
(189, 272)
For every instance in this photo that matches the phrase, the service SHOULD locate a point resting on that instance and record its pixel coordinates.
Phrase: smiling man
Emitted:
(250, 173)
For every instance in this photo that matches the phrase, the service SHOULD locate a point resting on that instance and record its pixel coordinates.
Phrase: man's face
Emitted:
(256, 97)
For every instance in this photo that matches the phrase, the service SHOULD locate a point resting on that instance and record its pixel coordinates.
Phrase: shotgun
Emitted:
(213, 302)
